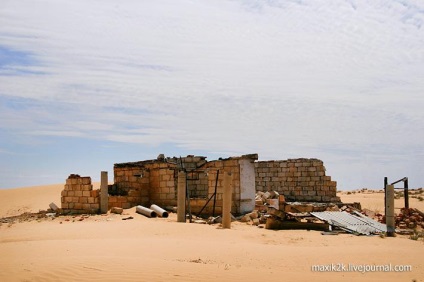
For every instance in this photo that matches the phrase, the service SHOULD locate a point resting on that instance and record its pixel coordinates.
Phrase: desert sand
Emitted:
(107, 248)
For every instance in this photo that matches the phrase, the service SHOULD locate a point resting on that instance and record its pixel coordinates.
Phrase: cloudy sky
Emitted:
(86, 84)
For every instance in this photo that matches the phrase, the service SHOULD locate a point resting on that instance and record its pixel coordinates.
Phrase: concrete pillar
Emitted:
(226, 200)
(181, 197)
(247, 185)
(104, 194)
(390, 210)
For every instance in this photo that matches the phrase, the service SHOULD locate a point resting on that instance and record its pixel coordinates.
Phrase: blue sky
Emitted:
(86, 84)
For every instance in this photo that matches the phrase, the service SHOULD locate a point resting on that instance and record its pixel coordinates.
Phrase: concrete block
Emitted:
(86, 180)
(69, 199)
(126, 205)
(86, 187)
(117, 210)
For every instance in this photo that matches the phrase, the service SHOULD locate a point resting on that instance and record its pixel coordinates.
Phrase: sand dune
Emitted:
(107, 248)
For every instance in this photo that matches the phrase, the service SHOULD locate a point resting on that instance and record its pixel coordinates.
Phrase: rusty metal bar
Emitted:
(385, 198)
(406, 193)
(214, 199)
(400, 180)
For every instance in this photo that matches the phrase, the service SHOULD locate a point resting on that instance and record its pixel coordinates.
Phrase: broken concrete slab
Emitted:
(117, 210)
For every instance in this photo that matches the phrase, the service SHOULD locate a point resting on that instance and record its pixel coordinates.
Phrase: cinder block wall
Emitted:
(197, 179)
(79, 196)
(297, 180)
(163, 183)
(155, 181)
(212, 168)
(132, 182)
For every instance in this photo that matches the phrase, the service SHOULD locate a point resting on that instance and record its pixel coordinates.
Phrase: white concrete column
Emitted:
(227, 200)
(181, 197)
(390, 210)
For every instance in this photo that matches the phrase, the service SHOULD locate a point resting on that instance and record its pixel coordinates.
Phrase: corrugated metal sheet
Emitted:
(357, 223)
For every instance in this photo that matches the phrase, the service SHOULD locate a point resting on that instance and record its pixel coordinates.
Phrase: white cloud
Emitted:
(327, 79)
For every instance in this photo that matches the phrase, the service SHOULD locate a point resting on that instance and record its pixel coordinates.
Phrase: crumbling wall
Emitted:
(131, 186)
(79, 196)
(297, 180)
(230, 165)
(155, 181)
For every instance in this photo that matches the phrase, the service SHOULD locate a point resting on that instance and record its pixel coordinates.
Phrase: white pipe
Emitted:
(159, 211)
(145, 211)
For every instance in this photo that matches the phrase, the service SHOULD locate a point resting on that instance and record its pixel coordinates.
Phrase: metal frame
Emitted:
(405, 191)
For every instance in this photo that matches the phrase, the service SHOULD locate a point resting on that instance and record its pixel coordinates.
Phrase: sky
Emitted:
(85, 84)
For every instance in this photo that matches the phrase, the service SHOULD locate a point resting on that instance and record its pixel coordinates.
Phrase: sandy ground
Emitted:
(107, 248)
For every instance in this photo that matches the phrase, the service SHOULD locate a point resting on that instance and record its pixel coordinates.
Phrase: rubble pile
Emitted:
(28, 217)
(410, 218)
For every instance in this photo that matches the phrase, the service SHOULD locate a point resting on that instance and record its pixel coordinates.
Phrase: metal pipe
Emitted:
(145, 211)
(226, 201)
(159, 211)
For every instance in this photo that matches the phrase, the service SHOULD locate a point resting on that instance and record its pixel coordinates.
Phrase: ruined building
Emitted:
(155, 182)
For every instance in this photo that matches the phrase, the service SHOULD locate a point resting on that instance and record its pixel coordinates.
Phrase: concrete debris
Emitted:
(117, 210)
(255, 221)
(213, 220)
(171, 209)
(317, 216)
(199, 221)
(218, 219)
(53, 206)
(263, 197)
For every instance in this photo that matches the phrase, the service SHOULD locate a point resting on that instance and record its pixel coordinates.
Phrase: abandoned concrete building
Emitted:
(155, 182)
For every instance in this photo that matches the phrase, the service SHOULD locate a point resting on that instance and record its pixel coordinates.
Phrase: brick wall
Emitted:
(79, 196)
(297, 180)
(131, 186)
